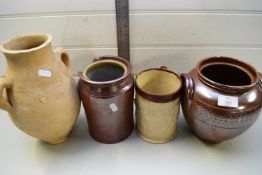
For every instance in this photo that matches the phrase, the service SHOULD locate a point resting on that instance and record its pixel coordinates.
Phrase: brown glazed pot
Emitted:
(106, 88)
(222, 98)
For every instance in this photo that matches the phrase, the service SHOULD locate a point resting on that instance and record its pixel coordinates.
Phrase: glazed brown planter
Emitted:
(222, 98)
(158, 93)
(106, 88)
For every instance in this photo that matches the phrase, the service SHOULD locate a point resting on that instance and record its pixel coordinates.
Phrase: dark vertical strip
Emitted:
(122, 22)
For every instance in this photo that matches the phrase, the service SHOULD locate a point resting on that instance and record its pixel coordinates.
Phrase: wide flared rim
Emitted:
(21, 37)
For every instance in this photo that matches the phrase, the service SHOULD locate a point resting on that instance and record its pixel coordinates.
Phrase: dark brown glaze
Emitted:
(159, 98)
(213, 123)
(106, 124)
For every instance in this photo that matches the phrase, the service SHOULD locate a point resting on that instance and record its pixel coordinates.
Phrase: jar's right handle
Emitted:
(260, 78)
(187, 95)
(4, 104)
(63, 56)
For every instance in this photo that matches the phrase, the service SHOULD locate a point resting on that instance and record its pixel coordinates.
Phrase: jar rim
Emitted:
(155, 97)
(236, 63)
(44, 40)
(107, 59)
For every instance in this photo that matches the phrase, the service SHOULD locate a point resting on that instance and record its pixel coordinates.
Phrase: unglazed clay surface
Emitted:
(38, 90)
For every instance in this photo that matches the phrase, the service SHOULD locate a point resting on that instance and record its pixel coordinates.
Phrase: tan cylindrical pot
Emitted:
(38, 90)
(157, 104)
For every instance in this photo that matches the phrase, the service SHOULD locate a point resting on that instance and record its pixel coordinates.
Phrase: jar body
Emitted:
(110, 120)
(212, 119)
(156, 122)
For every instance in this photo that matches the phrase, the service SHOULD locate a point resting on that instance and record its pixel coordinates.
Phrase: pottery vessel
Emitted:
(38, 90)
(222, 98)
(106, 88)
(157, 104)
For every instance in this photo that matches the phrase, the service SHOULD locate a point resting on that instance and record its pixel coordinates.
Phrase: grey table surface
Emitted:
(185, 154)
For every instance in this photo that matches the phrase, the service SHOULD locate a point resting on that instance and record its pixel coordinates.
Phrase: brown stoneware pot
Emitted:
(222, 98)
(106, 88)
(157, 104)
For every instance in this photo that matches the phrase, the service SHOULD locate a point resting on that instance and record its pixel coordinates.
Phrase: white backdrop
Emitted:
(176, 33)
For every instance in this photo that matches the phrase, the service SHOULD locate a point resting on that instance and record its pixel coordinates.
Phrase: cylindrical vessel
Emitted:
(157, 104)
(38, 90)
(106, 88)
(222, 98)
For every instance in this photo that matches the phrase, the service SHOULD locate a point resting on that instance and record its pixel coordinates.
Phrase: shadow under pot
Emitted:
(222, 98)
(106, 88)
(157, 104)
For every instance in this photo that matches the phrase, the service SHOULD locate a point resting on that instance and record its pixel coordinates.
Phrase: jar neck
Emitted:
(37, 57)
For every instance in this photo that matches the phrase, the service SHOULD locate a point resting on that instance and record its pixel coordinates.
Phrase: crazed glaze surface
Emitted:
(38, 90)
(214, 123)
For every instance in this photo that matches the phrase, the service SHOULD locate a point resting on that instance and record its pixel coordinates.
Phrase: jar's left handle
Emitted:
(4, 103)
(63, 55)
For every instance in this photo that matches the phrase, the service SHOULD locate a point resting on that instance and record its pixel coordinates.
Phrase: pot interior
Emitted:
(103, 71)
(158, 82)
(226, 75)
(25, 42)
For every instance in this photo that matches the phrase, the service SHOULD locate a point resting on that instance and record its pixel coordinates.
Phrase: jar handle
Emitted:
(63, 56)
(260, 78)
(163, 67)
(4, 104)
(188, 92)
(80, 74)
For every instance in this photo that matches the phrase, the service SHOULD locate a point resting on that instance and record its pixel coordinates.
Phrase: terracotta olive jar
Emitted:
(106, 88)
(38, 90)
(222, 98)
(157, 101)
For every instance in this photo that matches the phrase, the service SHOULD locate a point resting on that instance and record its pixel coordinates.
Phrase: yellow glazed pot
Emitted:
(157, 104)
(38, 90)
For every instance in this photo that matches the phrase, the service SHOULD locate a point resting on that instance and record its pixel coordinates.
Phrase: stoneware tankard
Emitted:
(157, 101)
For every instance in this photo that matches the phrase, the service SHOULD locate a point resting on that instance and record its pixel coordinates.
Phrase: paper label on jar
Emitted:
(113, 107)
(44, 73)
(227, 101)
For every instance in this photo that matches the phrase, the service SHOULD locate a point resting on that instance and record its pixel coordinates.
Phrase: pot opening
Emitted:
(226, 75)
(158, 82)
(25, 42)
(105, 71)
